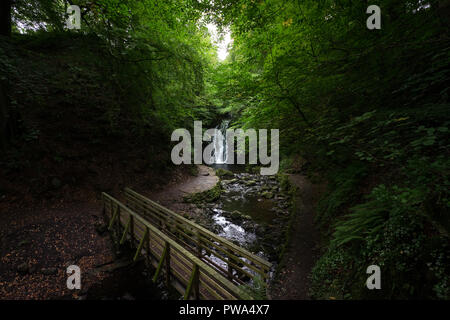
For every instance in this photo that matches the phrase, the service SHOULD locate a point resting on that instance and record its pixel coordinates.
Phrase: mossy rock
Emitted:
(256, 170)
(210, 195)
(193, 170)
(236, 215)
(250, 183)
(222, 173)
(267, 195)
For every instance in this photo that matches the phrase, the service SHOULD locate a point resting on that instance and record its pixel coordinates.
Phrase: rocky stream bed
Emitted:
(251, 210)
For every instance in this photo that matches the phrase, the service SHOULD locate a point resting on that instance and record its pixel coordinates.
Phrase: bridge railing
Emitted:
(187, 273)
(232, 261)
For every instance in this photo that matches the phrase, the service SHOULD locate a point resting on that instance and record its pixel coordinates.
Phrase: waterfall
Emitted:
(220, 145)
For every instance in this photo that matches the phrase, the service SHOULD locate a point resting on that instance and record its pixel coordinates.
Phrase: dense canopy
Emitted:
(366, 110)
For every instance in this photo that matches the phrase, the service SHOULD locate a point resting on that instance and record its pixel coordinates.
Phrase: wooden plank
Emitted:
(225, 284)
(168, 265)
(261, 271)
(204, 231)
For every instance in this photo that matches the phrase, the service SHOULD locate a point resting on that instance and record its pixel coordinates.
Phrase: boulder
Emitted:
(267, 194)
(250, 182)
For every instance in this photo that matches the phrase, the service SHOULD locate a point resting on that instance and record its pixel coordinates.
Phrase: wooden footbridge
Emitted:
(196, 262)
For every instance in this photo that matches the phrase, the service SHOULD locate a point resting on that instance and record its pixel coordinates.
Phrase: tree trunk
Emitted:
(5, 17)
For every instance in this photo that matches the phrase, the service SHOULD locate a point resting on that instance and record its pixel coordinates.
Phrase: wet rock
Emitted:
(283, 205)
(23, 268)
(267, 194)
(260, 230)
(228, 182)
(224, 173)
(236, 215)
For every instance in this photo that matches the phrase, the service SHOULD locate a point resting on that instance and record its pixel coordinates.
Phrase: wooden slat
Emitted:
(221, 284)
(206, 232)
(260, 265)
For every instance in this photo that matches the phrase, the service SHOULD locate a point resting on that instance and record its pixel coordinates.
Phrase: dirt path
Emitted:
(172, 195)
(39, 242)
(302, 253)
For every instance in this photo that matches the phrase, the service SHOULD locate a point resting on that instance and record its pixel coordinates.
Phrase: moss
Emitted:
(257, 289)
(193, 170)
(210, 195)
(222, 173)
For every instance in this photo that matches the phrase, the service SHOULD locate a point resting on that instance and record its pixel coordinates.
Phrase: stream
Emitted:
(252, 211)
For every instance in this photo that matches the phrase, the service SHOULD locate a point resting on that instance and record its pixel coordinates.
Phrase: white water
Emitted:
(220, 144)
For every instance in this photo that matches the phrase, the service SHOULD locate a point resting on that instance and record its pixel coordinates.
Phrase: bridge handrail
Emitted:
(262, 266)
(201, 265)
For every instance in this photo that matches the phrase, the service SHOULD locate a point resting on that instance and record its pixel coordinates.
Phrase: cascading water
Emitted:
(220, 144)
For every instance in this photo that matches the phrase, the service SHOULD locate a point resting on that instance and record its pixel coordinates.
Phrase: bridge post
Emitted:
(132, 229)
(168, 264)
(199, 244)
(148, 248)
(192, 284)
(118, 223)
(197, 284)
(230, 268)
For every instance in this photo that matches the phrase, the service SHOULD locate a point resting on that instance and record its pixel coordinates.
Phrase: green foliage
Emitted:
(343, 190)
(156, 53)
(365, 220)
(367, 109)
(393, 230)
(210, 195)
(223, 173)
(256, 289)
